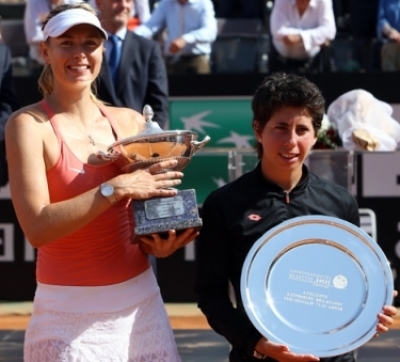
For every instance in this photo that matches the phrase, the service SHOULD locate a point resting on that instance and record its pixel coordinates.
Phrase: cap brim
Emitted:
(67, 19)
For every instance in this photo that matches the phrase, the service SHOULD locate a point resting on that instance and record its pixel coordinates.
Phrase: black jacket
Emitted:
(8, 104)
(228, 234)
(142, 78)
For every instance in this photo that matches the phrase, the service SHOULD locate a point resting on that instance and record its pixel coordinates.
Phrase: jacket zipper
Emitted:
(287, 202)
(287, 199)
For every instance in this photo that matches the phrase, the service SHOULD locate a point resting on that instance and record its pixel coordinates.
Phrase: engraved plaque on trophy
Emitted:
(316, 284)
(152, 145)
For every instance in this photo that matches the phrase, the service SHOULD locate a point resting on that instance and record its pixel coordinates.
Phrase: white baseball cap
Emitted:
(67, 19)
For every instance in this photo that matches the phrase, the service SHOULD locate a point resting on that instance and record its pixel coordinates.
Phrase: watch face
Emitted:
(107, 190)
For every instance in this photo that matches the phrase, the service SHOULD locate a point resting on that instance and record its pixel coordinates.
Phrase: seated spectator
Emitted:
(191, 28)
(299, 28)
(388, 30)
(35, 13)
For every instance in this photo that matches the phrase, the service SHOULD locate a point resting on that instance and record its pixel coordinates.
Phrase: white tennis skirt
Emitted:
(125, 322)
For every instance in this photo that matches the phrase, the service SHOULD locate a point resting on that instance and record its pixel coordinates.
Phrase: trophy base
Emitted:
(158, 215)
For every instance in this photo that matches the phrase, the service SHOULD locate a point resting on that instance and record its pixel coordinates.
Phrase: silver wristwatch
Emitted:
(107, 191)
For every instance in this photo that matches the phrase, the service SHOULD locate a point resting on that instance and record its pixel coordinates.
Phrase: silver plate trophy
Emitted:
(158, 215)
(316, 284)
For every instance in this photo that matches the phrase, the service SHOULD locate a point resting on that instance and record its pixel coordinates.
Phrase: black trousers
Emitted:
(278, 63)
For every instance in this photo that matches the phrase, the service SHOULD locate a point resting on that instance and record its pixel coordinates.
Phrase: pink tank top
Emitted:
(100, 253)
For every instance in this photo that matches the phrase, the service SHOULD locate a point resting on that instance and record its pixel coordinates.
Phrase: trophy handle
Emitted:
(197, 145)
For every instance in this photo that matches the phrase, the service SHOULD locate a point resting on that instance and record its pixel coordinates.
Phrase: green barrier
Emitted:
(228, 123)
(205, 173)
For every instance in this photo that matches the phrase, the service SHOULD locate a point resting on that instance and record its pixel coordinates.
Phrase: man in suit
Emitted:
(140, 76)
(8, 104)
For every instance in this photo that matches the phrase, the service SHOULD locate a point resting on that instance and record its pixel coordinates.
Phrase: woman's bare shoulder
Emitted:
(129, 121)
(33, 112)
(27, 126)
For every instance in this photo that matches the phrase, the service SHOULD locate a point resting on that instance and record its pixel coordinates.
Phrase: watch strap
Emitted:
(258, 355)
(112, 199)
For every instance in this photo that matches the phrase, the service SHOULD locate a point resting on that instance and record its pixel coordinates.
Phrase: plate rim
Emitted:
(333, 222)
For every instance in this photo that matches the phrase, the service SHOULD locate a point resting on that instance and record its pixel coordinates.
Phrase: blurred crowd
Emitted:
(239, 36)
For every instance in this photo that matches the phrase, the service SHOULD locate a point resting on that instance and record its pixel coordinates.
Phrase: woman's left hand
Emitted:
(385, 318)
(160, 247)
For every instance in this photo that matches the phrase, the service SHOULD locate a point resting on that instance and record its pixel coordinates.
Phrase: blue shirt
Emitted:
(194, 21)
(388, 14)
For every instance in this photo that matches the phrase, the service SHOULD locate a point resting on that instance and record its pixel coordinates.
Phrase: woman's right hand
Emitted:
(281, 352)
(147, 183)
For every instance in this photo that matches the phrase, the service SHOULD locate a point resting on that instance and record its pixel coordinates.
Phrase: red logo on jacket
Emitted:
(254, 217)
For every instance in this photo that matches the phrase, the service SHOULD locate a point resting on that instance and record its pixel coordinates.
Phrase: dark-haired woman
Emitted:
(287, 113)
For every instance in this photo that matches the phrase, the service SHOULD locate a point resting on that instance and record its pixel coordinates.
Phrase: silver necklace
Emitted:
(89, 135)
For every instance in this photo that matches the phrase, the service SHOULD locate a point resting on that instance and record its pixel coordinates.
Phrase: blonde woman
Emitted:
(97, 298)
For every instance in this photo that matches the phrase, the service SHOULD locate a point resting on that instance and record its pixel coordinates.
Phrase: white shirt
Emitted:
(315, 26)
(141, 9)
(35, 12)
